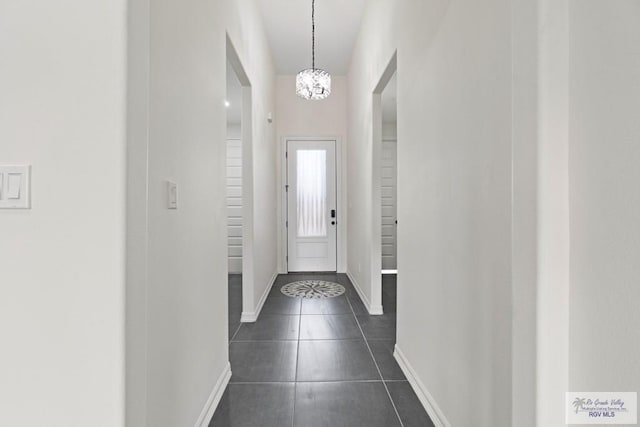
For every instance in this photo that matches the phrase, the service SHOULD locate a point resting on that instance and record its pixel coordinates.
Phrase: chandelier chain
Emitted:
(313, 34)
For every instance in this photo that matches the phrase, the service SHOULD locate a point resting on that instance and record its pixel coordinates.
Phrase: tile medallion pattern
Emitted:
(312, 289)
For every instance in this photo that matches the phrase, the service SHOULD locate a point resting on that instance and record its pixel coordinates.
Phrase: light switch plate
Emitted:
(15, 187)
(172, 195)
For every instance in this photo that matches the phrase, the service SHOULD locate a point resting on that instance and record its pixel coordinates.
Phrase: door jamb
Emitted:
(248, 288)
(340, 202)
(376, 196)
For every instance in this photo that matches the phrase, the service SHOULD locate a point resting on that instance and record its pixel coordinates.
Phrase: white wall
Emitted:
(298, 117)
(553, 245)
(454, 194)
(182, 256)
(62, 110)
(605, 202)
(525, 212)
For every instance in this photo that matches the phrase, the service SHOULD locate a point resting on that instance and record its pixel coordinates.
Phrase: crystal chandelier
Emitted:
(313, 83)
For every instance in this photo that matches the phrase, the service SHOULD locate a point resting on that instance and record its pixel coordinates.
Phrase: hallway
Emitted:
(316, 362)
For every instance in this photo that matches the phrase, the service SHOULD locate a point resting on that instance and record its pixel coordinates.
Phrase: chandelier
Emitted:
(313, 83)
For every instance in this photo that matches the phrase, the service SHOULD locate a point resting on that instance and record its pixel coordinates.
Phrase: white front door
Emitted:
(311, 205)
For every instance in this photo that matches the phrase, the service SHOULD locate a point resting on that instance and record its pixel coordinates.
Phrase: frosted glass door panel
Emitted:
(311, 206)
(312, 193)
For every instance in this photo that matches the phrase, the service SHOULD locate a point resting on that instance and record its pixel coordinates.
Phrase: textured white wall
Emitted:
(62, 263)
(604, 152)
(454, 193)
(552, 289)
(179, 349)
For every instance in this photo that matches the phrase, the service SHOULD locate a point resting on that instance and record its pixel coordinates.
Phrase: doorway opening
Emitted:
(384, 255)
(311, 198)
(239, 188)
(233, 106)
(389, 195)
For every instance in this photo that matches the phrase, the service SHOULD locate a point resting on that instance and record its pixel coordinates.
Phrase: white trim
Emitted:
(251, 317)
(214, 398)
(427, 400)
(373, 310)
(389, 271)
(375, 266)
(341, 201)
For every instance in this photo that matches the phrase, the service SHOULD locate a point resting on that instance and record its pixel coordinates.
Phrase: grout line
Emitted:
(313, 382)
(377, 367)
(235, 333)
(295, 378)
(308, 340)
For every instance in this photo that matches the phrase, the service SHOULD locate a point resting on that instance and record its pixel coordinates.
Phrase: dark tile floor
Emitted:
(308, 363)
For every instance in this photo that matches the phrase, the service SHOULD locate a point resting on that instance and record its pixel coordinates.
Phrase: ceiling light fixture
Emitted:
(313, 83)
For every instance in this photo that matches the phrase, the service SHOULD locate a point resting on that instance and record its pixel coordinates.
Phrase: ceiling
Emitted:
(288, 26)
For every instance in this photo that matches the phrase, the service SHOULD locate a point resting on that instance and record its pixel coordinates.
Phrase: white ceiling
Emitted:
(288, 26)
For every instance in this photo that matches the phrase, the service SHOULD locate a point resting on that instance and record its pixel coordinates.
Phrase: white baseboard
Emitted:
(251, 317)
(373, 310)
(427, 400)
(214, 398)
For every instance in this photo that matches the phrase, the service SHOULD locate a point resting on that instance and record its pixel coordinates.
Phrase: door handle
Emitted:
(333, 213)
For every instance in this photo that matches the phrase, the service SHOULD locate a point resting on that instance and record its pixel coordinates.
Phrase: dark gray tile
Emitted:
(255, 405)
(235, 280)
(270, 327)
(233, 327)
(389, 303)
(337, 305)
(383, 353)
(381, 327)
(408, 405)
(343, 405)
(329, 327)
(357, 304)
(263, 361)
(235, 299)
(235, 309)
(389, 281)
(335, 361)
(284, 305)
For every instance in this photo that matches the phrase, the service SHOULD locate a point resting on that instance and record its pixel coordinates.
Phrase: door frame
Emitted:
(376, 190)
(340, 202)
(249, 299)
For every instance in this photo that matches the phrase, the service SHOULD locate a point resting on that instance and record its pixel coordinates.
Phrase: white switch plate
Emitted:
(172, 195)
(15, 187)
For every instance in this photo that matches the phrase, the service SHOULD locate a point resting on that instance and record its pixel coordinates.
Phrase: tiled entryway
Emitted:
(308, 363)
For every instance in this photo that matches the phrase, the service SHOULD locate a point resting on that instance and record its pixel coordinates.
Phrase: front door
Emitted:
(311, 205)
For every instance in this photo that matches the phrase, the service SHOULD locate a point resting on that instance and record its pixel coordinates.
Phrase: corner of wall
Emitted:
(214, 398)
(427, 400)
